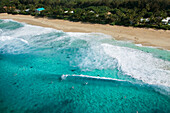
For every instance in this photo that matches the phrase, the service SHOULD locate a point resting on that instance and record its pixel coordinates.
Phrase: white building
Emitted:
(166, 21)
(27, 10)
(71, 11)
(17, 10)
(144, 20)
(91, 11)
(65, 11)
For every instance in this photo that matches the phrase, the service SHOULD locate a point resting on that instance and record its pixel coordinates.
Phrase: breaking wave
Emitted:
(89, 51)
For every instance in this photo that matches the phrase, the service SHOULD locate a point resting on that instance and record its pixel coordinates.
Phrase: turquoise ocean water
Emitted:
(43, 70)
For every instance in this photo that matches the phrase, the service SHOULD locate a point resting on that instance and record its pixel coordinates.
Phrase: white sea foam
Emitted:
(1, 31)
(4, 38)
(8, 38)
(63, 77)
(8, 20)
(13, 45)
(94, 52)
(135, 63)
(140, 65)
(89, 36)
(93, 58)
(139, 45)
(90, 55)
(28, 31)
(33, 34)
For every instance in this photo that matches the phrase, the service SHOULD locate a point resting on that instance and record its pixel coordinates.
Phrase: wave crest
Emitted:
(13, 45)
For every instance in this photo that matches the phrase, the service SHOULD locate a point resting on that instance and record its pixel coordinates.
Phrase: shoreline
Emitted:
(147, 37)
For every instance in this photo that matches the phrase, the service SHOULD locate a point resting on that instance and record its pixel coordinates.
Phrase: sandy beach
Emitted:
(144, 36)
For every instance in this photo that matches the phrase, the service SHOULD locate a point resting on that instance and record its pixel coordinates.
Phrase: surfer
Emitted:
(85, 83)
(63, 77)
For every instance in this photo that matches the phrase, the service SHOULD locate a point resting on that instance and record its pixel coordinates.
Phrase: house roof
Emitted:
(91, 11)
(65, 11)
(40, 9)
(71, 11)
(166, 19)
(109, 13)
(17, 10)
(144, 19)
(27, 10)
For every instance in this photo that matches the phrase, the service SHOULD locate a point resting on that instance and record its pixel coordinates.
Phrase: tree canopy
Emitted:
(119, 12)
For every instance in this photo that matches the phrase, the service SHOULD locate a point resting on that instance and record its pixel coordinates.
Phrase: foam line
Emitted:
(63, 77)
(140, 65)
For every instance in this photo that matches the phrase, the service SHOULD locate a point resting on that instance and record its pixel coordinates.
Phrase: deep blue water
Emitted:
(43, 70)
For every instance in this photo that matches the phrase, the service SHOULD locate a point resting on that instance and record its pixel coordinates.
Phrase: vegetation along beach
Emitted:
(84, 56)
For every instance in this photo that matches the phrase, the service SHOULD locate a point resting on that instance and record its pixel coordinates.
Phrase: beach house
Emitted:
(65, 12)
(27, 10)
(72, 12)
(92, 11)
(144, 20)
(38, 10)
(166, 21)
(109, 13)
(6, 8)
(17, 10)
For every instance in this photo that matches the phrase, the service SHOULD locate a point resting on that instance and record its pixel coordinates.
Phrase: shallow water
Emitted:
(43, 70)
